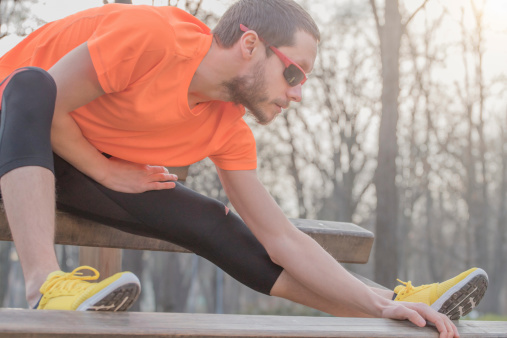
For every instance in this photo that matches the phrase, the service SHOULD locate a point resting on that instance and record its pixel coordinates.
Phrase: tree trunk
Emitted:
(492, 300)
(133, 262)
(170, 284)
(482, 232)
(298, 183)
(386, 250)
(5, 265)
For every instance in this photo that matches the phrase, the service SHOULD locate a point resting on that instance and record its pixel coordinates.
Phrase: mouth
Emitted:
(282, 107)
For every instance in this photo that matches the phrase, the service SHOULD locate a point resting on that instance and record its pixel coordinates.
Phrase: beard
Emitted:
(250, 92)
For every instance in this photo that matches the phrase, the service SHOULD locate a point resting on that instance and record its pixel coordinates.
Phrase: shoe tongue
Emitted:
(399, 288)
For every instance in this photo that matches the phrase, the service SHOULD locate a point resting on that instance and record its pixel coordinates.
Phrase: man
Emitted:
(128, 86)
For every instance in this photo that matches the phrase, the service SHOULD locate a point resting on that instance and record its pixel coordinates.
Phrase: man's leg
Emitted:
(27, 104)
(28, 195)
(196, 222)
(178, 215)
(193, 221)
(289, 288)
(27, 182)
(455, 297)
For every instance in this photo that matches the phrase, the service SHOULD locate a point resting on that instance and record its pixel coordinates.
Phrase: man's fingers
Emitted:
(451, 328)
(445, 331)
(419, 313)
(161, 177)
(454, 329)
(407, 313)
(416, 318)
(154, 169)
(444, 328)
(443, 324)
(161, 185)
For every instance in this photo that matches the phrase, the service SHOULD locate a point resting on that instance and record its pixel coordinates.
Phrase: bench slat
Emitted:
(30, 323)
(347, 242)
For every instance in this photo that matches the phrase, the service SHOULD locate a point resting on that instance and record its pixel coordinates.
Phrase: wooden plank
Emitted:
(347, 242)
(181, 172)
(368, 282)
(47, 323)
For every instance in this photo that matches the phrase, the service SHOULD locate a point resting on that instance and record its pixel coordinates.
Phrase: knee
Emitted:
(214, 211)
(28, 104)
(30, 74)
(32, 82)
(30, 92)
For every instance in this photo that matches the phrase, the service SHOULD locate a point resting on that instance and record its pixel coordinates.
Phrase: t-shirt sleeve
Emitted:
(238, 150)
(123, 52)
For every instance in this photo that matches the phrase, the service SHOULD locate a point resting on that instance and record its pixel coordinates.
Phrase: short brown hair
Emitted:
(276, 21)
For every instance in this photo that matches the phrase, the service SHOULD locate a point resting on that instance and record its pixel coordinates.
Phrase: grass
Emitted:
(492, 317)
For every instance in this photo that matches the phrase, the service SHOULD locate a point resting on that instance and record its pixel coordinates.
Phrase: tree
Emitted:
(13, 14)
(390, 34)
(322, 143)
(420, 211)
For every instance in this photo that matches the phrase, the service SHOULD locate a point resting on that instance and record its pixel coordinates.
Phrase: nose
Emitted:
(294, 93)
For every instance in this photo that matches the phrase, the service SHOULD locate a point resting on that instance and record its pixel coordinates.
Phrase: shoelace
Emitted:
(409, 287)
(69, 281)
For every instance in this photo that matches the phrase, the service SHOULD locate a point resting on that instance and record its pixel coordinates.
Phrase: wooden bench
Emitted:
(345, 241)
(100, 244)
(46, 323)
(101, 247)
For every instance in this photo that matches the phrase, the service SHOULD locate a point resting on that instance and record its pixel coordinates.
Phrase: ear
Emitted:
(249, 44)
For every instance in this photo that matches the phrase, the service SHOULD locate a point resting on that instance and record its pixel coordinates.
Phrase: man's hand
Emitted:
(130, 177)
(419, 313)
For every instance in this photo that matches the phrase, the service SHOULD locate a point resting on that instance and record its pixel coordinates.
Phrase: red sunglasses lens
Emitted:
(293, 75)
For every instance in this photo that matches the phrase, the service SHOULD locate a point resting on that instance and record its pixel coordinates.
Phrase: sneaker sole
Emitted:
(464, 296)
(117, 296)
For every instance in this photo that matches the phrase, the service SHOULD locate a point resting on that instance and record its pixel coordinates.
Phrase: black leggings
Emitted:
(180, 215)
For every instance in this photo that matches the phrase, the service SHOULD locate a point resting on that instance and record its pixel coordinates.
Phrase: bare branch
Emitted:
(375, 14)
(415, 12)
(359, 197)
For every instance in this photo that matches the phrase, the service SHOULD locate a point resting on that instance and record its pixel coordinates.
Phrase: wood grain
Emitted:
(47, 323)
(106, 260)
(347, 242)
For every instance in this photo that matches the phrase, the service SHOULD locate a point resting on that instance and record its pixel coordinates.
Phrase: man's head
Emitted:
(276, 21)
(261, 29)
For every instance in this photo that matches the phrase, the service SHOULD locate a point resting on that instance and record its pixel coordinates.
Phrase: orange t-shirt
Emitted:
(145, 58)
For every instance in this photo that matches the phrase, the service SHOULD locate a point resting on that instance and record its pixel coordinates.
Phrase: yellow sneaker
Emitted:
(72, 291)
(455, 297)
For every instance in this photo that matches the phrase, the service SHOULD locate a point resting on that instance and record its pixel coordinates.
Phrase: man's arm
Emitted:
(77, 84)
(290, 248)
(305, 259)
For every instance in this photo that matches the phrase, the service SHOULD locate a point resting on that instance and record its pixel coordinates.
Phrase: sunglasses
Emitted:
(293, 73)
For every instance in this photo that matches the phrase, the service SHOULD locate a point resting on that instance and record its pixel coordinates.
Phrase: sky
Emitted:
(495, 15)
(495, 30)
(494, 18)
(50, 10)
